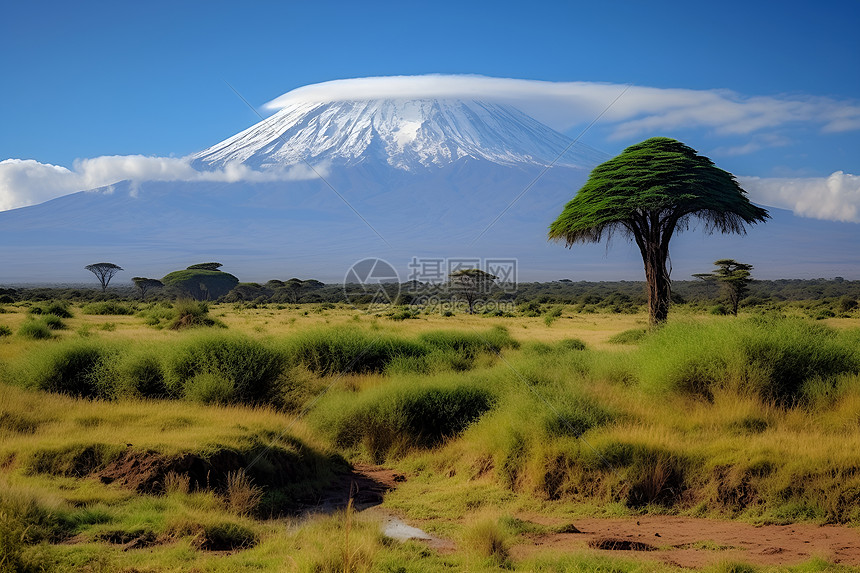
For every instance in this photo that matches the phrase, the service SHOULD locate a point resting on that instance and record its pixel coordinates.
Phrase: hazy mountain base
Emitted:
(302, 228)
(720, 447)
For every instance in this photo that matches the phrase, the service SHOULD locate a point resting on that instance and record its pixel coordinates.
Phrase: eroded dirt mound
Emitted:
(147, 471)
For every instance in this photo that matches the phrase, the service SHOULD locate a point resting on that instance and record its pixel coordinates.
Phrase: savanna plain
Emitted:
(259, 437)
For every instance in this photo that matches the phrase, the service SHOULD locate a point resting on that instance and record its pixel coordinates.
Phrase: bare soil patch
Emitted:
(694, 542)
(365, 484)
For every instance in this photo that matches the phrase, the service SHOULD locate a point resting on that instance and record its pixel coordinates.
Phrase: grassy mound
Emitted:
(399, 417)
(225, 369)
(770, 358)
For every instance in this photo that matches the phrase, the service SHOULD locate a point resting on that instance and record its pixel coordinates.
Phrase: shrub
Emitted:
(5, 331)
(404, 314)
(189, 313)
(846, 304)
(210, 388)
(57, 308)
(234, 367)
(107, 307)
(154, 314)
(470, 344)
(330, 352)
(135, 374)
(35, 330)
(632, 336)
(770, 358)
(719, 310)
(575, 416)
(572, 344)
(53, 322)
(390, 420)
(71, 368)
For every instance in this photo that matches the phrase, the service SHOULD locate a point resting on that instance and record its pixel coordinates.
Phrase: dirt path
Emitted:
(364, 484)
(694, 542)
(681, 541)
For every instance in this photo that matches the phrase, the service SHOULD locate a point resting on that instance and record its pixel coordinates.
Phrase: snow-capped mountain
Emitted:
(405, 134)
(404, 180)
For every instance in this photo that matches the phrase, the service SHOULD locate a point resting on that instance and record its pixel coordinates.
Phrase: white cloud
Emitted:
(753, 144)
(563, 105)
(833, 198)
(27, 182)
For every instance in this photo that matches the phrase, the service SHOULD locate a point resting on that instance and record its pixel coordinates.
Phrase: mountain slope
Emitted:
(404, 134)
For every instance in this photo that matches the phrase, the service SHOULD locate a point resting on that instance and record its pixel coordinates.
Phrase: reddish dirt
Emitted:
(693, 542)
(145, 471)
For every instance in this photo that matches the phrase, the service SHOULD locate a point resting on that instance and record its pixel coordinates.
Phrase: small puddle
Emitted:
(395, 528)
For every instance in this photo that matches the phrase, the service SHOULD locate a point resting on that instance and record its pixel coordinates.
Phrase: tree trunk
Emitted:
(659, 286)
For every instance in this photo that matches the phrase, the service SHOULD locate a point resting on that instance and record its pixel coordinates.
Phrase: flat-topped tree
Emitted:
(205, 266)
(104, 272)
(647, 193)
(736, 279)
(144, 284)
(470, 284)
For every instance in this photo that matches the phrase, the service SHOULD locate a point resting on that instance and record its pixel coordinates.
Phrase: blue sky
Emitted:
(83, 80)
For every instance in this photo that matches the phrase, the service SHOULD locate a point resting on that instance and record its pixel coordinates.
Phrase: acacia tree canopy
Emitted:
(104, 272)
(143, 284)
(470, 284)
(647, 193)
(736, 279)
(206, 266)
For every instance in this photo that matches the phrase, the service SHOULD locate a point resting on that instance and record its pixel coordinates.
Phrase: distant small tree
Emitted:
(104, 272)
(470, 284)
(144, 284)
(206, 266)
(735, 278)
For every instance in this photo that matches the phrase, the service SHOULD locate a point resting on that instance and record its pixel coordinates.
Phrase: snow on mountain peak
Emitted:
(404, 133)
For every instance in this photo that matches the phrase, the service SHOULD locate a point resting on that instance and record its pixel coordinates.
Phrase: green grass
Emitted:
(35, 329)
(396, 418)
(632, 336)
(56, 308)
(769, 358)
(751, 418)
(108, 307)
(218, 368)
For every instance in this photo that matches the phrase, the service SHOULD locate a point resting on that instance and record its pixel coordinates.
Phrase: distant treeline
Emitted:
(619, 296)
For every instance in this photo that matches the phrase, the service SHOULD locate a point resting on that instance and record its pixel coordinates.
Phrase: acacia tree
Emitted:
(206, 266)
(104, 272)
(736, 279)
(144, 284)
(469, 284)
(647, 193)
